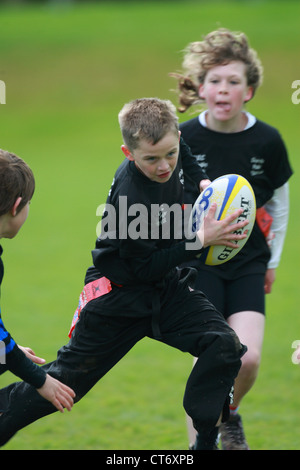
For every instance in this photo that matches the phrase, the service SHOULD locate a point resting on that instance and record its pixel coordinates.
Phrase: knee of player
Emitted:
(223, 348)
(231, 345)
(251, 360)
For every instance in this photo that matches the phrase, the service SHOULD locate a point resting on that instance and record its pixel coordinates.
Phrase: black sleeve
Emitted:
(278, 167)
(190, 166)
(157, 264)
(24, 368)
(150, 264)
(15, 360)
(152, 259)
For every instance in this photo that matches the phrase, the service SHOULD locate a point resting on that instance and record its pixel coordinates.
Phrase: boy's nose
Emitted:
(223, 88)
(164, 165)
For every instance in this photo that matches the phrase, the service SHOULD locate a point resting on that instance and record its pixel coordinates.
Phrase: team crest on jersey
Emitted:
(201, 159)
(257, 165)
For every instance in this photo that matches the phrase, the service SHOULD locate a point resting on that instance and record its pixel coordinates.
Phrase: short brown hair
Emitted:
(147, 118)
(218, 48)
(16, 180)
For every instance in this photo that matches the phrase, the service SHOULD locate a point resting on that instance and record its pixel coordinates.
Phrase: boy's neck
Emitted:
(231, 126)
(5, 222)
(1, 226)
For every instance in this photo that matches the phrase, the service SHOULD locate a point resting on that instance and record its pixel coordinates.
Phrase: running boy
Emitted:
(134, 289)
(16, 190)
(224, 72)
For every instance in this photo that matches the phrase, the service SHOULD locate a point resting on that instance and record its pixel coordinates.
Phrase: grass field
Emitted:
(68, 71)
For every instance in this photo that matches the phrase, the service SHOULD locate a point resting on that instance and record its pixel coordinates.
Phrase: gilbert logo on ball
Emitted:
(229, 192)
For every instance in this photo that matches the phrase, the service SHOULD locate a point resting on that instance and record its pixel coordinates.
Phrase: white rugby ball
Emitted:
(229, 192)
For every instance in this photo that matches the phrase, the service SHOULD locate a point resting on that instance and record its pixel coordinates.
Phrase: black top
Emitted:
(142, 239)
(259, 155)
(15, 360)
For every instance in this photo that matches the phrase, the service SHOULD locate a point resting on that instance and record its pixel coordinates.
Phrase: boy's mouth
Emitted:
(164, 175)
(223, 105)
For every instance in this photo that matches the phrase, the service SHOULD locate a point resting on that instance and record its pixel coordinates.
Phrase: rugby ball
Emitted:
(229, 192)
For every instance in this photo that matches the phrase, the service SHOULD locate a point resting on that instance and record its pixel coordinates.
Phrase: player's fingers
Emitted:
(234, 217)
(31, 355)
(229, 219)
(68, 390)
(62, 401)
(236, 235)
(36, 359)
(231, 239)
(67, 400)
(236, 228)
(58, 405)
(211, 211)
(230, 244)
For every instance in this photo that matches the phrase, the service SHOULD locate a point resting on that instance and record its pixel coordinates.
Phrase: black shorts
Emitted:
(232, 296)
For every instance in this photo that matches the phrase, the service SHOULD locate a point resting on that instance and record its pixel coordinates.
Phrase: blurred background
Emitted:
(68, 68)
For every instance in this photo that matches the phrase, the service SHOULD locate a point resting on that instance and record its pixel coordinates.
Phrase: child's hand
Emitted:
(269, 280)
(31, 355)
(60, 395)
(219, 232)
(203, 185)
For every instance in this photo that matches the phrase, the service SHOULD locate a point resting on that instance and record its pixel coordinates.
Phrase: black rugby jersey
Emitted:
(258, 154)
(125, 258)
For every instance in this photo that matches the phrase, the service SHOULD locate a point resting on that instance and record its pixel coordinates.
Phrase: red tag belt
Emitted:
(264, 221)
(91, 291)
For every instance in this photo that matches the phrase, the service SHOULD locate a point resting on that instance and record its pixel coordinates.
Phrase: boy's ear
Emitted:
(127, 152)
(249, 94)
(200, 91)
(14, 209)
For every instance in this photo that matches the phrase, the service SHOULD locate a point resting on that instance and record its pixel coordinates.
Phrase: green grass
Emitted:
(68, 71)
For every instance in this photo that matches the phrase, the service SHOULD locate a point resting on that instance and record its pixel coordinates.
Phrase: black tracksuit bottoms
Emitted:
(188, 322)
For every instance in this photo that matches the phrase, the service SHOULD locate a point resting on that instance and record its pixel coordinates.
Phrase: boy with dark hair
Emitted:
(16, 190)
(134, 288)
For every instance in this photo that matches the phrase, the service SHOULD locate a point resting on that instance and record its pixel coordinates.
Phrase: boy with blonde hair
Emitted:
(224, 72)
